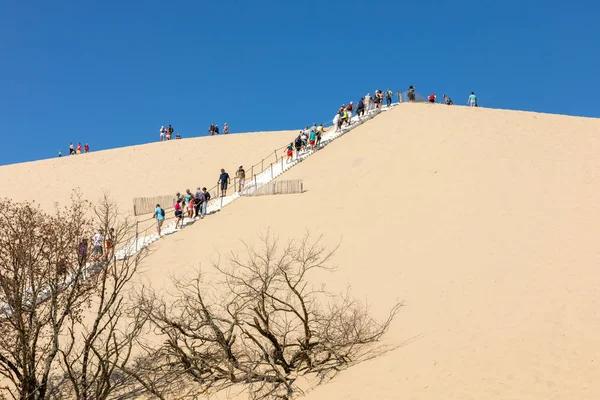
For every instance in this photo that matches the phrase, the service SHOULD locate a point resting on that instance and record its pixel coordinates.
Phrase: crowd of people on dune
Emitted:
(167, 133)
(194, 205)
(344, 116)
(102, 250)
(471, 101)
(368, 103)
(213, 129)
(76, 150)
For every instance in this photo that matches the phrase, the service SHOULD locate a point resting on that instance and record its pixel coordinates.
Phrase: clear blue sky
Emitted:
(111, 72)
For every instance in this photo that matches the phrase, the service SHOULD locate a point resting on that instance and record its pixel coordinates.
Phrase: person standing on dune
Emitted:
(163, 134)
(159, 214)
(388, 97)
(298, 145)
(312, 139)
(205, 202)
(98, 240)
(71, 149)
(319, 134)
(241, 175)
(198, 200)
(367, 102)
(179, 214)
(349, 110)
(189, 203)
(225, 129)
(378, 99)
(223, 181)
(411, 94)
(360, 108)
(472, 100)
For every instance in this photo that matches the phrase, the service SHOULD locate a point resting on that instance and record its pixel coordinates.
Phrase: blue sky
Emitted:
(110, 73)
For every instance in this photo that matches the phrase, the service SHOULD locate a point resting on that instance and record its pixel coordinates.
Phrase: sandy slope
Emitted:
(485, 221)
(148, 170)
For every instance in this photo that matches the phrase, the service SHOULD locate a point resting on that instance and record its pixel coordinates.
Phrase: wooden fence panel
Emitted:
(147, 205)
(278, 187)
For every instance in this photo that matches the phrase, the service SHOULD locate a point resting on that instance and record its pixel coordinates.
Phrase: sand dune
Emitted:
(486, 222)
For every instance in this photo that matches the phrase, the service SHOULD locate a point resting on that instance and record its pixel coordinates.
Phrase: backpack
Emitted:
(162, 212)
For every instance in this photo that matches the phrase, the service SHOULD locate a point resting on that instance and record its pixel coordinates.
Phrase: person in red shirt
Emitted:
(86, 148)
(349, 110)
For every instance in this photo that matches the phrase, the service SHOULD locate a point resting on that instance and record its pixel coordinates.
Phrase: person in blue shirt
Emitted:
(224, 181)
(312, 138)
(472, 100)
(159, 214)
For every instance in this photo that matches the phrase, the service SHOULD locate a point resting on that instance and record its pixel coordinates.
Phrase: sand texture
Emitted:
(486, 222)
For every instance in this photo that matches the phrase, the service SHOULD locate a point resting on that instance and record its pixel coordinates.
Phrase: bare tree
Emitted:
(42, 289)
(97, 349)
(62, 309)
(268, 326)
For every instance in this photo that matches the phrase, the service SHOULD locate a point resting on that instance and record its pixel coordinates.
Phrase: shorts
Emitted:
(312, 142)
(178, 214)
(290, 153)
(159, 222)
(298, 148)
(223, 185)
(242, 181)
(97, 250)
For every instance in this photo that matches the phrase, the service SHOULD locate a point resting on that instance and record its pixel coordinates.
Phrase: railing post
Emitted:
(282, 165)
(235, 185)
(252, 172)
(276, 159)
(262, 165)
(271, 168)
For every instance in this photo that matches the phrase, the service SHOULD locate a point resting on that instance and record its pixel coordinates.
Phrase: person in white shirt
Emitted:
(98, 245)
(367, 102)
